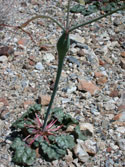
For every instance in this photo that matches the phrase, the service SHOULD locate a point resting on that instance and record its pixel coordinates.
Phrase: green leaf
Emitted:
(63, 45)
(77, 9)
(32, 110)
(52, 138)
(62, 117)
(37, 141)
(17, 142)
(23, 154)
(20, 123)
(52, 151)
(65, 141)
(27, 117)
(58, 113)
(78, 134)
(68, 120)
(94, 6)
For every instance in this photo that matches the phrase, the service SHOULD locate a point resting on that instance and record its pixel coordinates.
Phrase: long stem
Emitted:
(68, 10)
(60, 65)
(42, 16)
(96, 19)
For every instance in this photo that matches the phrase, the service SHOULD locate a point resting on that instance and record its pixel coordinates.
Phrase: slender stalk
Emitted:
(68, 10)
(96, 19)
(63, 45)
(60, 65)
(42, 16)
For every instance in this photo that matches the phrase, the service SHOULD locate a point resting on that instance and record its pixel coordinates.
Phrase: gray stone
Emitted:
(105, 124)
(117, 22)
(39, 66)
(25, 83)
(121, 143)
(109, 106)
(71, 89)
(72, 59)
(80, 151)
(92, 58)
(95, 112)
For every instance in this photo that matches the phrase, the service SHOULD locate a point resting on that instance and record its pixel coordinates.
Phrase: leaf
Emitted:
(37, 141)
(68, 120)
(78, 134)
(17, 142)
(58, 113)
(23, 154)
(20, 123)
(65, 141)
(77, 9)
(27, 117)
(62, 117)
(52, 151)
(63, 45)
(52, 138)
(94, 6)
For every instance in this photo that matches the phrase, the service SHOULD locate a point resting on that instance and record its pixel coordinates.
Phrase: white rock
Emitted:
(74, 50)
(87, 128)
(109, 106)
(70, 128)
(71, 89)
(114, 147)
(121, 130)
(65, 100)
(80, 151)
(77, 38)
(90, 147)
(39, 66)
(48, 57)
(3, 59)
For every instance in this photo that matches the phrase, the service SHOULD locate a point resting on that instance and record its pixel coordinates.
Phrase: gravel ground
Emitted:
(91, 89)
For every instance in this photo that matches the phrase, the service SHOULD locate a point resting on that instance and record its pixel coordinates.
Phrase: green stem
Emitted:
(60, 65)
(68, 10)
(42, 16)
(96, 19)
(63, 45)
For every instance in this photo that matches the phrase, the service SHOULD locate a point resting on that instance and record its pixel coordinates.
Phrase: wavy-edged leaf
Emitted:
(63, 118)
(96, 5)
(52, 151)
(68, 120)
(27, 117)
(23, 154)
(58, 113)
(65, 141)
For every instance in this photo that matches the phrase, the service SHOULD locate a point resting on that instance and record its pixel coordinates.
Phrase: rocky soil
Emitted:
(92, 85)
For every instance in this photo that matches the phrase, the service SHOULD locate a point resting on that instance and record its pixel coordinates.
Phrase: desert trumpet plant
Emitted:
(37, 131)
(63, 45)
